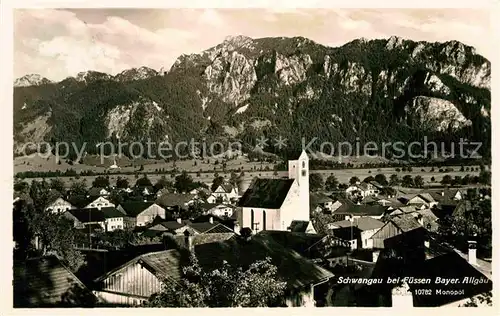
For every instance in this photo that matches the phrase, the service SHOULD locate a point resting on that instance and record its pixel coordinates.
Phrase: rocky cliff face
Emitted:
(372, 90)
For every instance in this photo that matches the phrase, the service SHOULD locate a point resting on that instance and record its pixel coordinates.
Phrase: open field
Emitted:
(342, 175)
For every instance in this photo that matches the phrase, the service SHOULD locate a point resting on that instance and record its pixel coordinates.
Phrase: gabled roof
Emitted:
(112, 212)
(427, 197)
(94, 191)
(266, 193)
(376, 184)
(227, 187)
(299, 226)
(134, 208)
(79, 201)
(406, 222)
(87, 215)
(296, 270)
(362, 223)
(163, 264)
(319, 198)
(47, 282)
(174, 199)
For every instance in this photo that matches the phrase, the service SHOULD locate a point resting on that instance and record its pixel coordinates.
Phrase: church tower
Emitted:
(299, 170)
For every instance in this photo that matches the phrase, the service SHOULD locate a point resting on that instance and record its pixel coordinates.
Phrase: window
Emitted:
(264, 220)
(303, 164)
(251, 219)
(303, 173)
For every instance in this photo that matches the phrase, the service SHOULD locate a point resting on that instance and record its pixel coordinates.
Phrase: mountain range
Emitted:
(366, 90)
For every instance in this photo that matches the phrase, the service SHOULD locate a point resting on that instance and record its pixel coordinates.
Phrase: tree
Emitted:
(78, 188)
(21, 186)
(331, 183)
(446, 180)
(55, 233)
(100, 182)
(407, 181)
(394, 180)
(485, 177)
(418, 181)
(353, 180)
(227, 286)
(122, 183)
(369, 179)
(184, 182)
(316, 182)
(217, 182)
(143, 182)
(163, 183)
(57, 184)
(380, 178)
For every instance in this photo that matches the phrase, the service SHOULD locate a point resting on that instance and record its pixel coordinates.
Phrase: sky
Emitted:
(58, 43)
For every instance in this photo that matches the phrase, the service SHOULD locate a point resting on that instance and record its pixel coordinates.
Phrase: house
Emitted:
(302, 276)
(176, 200)
(351, 235)
(219, 210)
(423, 199)
(321, 202)
(362, 190)
(367, 227)
(143, 212)
(359, 210)
(59, 205)
(99, 203)
(302, 227)
(46, 282)
(272, 204)
(400, 230)
(135, 281)
(95, 192)
(377, 185)
(79, 201)
(114, 219)
(83, 218)
(226, 191)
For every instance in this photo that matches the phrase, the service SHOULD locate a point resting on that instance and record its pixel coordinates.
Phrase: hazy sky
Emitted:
(60, 43)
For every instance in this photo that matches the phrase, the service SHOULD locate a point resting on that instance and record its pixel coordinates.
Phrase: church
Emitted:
(273, 204)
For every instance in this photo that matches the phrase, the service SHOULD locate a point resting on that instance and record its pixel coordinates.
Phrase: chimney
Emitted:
(179, 220)
(211, 220)
(188, 240)
(472, 252)
(375, 255)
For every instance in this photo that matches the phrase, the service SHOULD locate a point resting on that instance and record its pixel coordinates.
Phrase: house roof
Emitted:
(266, 193)
(163, 264)
(376, 184)
(362, 223)
(112, 212)
(174, 199)
(319, 198)
(427, 197)
(94, 191)
(299, 226)
(79, 201)
(46, 281)
(406, 222)
(362, 209)
(134, 208)
(296, 270)
(87, 215)
(227, 187)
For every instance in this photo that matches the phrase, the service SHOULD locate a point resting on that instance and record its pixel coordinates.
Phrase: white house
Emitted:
(362, 189)
(115, 219)
(226, 191)
(273, 204)
(100, 202)
(220, 210)
(142, 211)
(59, 205)
(367, 227)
